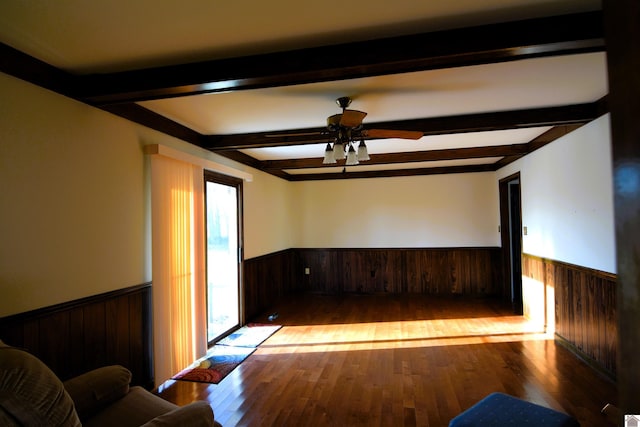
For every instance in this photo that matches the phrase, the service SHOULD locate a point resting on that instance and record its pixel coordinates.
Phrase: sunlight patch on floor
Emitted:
(402, 334)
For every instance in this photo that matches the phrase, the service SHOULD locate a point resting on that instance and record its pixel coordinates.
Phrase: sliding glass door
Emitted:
(224, 254)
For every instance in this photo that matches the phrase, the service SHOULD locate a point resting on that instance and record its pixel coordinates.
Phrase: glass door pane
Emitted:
(223, 259)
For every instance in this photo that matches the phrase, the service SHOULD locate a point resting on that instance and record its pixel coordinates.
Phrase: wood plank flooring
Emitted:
(396, 360)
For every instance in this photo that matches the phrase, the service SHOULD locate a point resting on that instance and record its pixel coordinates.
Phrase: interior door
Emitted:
(224, 254)
(511, 238)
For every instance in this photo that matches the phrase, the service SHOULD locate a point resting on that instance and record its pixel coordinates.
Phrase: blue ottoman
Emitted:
(502, 410)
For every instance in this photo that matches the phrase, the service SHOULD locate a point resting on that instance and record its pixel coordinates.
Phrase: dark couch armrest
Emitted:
(94, 390)
(195, 414)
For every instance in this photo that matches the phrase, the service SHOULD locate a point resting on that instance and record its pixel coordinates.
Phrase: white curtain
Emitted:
(179, 302)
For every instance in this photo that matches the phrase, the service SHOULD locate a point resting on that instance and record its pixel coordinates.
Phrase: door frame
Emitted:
(511, 242)
(218, 178)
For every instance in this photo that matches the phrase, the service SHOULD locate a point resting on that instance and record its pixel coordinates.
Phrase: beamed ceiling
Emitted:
(485, 86)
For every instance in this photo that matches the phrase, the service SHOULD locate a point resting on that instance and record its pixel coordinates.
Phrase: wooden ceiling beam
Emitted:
(32, 70)
(406, 157)
(240, 157)
(538, 117)
(119, 92)
(153, 120)
(531, 38)
(509, 154)
(539, 142)
(351, 172)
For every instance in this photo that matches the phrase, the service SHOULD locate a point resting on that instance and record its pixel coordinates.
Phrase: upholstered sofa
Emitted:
(32, 395)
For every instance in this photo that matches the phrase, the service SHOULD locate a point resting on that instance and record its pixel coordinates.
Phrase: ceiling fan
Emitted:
(352, 120)
(343, 130)
(347, 127)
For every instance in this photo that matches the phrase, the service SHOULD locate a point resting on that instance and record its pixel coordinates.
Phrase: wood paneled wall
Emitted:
(267, 279)
(585, 308)
(115, 327)
(436, 271)
(77, 336)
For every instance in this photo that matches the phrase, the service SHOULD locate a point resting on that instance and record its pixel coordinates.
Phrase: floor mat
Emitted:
(218, 363)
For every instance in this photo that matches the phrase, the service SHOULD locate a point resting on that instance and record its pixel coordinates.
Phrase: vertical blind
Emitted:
(179, 311)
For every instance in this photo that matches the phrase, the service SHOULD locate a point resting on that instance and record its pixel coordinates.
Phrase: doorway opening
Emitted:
(223, 254)
(511, 239)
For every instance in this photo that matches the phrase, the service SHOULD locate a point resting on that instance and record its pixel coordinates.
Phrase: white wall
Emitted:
(72, 197)
(422, 211)
(567, 198)
(269, 215)
(74, 217)
(75, 201)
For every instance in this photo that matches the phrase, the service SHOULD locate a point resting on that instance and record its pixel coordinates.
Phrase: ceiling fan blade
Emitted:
(386, 133)
(352, 118)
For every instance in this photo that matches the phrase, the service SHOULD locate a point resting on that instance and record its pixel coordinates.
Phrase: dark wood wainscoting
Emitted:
(434, 271)
(267, 278)
(77, 336)
(585, 308)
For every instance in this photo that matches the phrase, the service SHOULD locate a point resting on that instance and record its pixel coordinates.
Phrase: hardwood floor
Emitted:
(396, 360)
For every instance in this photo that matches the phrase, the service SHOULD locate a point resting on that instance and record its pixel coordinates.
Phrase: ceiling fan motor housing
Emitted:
(343, 102)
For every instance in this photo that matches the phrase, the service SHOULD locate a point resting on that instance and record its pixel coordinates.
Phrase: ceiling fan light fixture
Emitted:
(352, 157)
(363, 153)
(329, 159)
(347, 128)
(338, 150)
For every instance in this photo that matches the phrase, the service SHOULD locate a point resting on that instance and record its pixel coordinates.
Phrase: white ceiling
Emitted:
(108, 35)
(539, 82)
(435, 142)
(100, 36)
